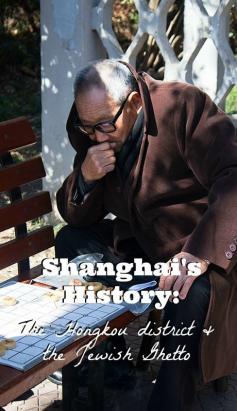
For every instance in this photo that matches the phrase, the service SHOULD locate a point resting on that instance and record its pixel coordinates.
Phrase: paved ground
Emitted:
(47, 396)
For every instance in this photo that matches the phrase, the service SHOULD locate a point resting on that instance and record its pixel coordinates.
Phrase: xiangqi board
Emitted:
(34, 304)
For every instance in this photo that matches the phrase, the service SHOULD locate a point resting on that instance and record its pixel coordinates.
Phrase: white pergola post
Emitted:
(205, 65)
(67, 44)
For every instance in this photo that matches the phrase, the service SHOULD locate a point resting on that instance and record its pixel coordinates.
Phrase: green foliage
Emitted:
(124, 21)
(231, 101)
(20, 36)
(19, 96)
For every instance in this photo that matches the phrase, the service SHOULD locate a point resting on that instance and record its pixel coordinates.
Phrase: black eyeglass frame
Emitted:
(99, 126)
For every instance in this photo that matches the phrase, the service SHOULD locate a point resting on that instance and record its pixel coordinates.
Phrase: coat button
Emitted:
(232, 247)
(235, 240)
(228, 255)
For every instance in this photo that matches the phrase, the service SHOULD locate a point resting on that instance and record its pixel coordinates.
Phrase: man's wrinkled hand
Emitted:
(182, 282)
(99, 161)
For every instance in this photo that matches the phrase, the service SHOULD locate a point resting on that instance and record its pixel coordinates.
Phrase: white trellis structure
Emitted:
(75, 32)
(215, 27)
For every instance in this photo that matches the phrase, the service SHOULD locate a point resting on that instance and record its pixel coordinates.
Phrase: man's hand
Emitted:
(99, 161)
(182, 282)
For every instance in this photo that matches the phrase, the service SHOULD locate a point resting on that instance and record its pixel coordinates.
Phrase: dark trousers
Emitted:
(175, 386)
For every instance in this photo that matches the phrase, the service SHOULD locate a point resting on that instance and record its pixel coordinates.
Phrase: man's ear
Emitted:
(135, 100)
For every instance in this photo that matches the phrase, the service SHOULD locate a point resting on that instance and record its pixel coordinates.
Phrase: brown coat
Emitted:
(180, 195)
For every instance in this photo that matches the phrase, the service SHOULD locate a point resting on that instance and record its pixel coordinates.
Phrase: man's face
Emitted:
(96, 106)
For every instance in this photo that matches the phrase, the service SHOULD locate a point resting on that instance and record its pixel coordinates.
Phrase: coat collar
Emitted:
(149, 117)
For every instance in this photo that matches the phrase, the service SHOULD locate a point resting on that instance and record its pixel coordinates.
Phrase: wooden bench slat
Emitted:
(26, 246)
(24, 210)
(29, 275)
(22, 173)
(15, 133)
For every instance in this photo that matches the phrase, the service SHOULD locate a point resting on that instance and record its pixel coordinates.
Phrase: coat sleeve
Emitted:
(209, 146)
(75, 210)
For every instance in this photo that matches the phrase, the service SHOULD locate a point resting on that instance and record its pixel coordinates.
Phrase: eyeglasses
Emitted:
(104, 126)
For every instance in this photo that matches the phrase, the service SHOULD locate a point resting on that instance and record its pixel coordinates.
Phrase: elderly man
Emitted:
(162, 157)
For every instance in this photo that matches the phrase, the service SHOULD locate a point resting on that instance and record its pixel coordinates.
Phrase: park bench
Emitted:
(16, 210)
